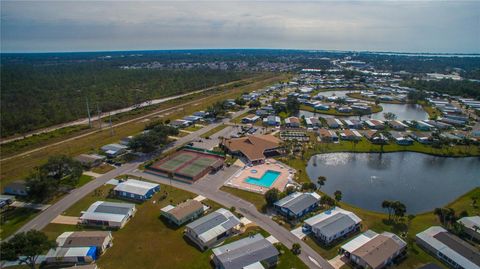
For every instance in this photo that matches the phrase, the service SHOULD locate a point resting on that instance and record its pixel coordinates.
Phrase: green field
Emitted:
(147, 241)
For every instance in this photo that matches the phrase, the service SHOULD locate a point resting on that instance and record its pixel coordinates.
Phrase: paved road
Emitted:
(45, 217)
(118, 111)
(208, 187)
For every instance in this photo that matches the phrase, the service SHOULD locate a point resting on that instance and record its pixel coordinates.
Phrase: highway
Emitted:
(208, 187)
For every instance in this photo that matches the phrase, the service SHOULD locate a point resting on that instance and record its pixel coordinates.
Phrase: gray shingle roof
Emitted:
(245, 252)
(334, 225)
(299, 203)
(114, 208)
(206, 223)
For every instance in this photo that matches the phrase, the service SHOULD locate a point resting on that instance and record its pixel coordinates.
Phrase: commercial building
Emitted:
(255, 148)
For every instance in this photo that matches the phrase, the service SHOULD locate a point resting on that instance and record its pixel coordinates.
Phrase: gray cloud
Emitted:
(431, 26)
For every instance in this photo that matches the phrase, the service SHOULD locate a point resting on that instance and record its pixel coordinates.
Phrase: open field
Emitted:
(334, 112)
(19, 167)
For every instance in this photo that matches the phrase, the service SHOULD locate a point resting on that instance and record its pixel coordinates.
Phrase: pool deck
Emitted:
(238, 179)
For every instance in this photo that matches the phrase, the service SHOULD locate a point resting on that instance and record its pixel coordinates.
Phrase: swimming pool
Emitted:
(266, 180)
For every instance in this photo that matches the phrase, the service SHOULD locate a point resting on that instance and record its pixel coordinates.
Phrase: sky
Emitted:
(401, 26)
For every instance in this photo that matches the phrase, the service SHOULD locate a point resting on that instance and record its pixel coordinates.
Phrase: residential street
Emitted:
(208, 187)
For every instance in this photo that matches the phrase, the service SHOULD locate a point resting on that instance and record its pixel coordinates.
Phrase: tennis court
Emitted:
(175, 162)
(187, 164)
(197, 166)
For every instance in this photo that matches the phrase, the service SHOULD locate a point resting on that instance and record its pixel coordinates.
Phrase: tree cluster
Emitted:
(47, 180)
(396, 209)
(155, 136)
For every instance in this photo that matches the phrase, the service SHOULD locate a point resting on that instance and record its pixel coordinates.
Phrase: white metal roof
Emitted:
(102, 216)
(329, 213)
(359, 241)
(135, 186)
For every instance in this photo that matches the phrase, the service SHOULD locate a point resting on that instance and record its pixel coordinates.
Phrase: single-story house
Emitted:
(90, 160)
(183, 212)
(6, 200)
(344, 109)
(253, 147)
(361, 108)
(327, 135)
(192, 118)
(375, 124)
(322, 107)
(472, 226)
(439, 125)
(108, 214)
(449, 248)
(136, 189)
(212, 228)
(297, 204)
(333, 123)
(17, 188)
(262, 112)
(333, 224)
(201, 114)
(272, 120)
(422, 137)
(350, 135)
(401, 138)
(375, 137)
(178, 123)
(292, 122)
(353, 124)
(397, 125)
(71, 256)
(313, 122)
(126, 140)
(114, 150)
(423, 126)
(99, 239)
(245, 253)
(250, 119)
(373, 250)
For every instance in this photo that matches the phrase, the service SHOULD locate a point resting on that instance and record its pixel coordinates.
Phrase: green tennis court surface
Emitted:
(197, 166)
(175, 162)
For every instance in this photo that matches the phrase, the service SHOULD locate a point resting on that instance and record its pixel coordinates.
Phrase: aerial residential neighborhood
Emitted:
(180, 135)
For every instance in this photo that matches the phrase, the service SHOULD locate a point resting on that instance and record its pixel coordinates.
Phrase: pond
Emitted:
(422, 182)
(403, 111)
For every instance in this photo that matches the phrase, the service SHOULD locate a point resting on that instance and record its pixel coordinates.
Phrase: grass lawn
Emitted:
(334, 112)
(147, 241)
(256, 199)
(15, 218)
(214, 130)
(193, 128)
(432, 112)
(99, 194)
(84, 179)
(103, 168)
(238, 119)
(20, 167)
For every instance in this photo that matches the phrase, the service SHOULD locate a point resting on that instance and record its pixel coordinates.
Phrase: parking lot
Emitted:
(227, 132)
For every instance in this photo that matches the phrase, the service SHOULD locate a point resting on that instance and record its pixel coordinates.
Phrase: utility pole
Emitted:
(88, 113)
(99, 117)
(111, 126)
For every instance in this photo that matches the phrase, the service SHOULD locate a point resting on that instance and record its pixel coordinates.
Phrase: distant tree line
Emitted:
(463, 88)
(36, 96)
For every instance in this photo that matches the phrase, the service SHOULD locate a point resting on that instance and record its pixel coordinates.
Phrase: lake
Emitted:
(422, 182)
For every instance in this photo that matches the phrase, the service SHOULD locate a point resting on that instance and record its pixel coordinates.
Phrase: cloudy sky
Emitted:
(404, 26)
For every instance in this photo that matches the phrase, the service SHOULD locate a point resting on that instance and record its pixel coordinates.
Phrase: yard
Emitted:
(147, 241)
(14, 218)
(103, 168)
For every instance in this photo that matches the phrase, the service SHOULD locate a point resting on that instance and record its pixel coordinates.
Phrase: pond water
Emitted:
(422, 182)
(403, 111)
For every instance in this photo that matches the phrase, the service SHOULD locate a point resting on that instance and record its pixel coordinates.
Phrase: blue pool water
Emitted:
(266, 180)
